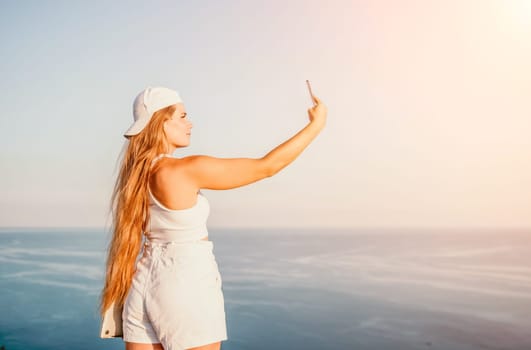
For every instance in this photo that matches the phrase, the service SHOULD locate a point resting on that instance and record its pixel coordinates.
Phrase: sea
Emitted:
(318, 288)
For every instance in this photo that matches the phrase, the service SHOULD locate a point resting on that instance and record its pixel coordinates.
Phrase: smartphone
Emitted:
(310, 90)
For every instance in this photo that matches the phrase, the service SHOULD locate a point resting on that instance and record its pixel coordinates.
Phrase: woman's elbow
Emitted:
(268, 167)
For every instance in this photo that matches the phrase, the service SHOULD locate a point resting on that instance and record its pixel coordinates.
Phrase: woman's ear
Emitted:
(165, 124)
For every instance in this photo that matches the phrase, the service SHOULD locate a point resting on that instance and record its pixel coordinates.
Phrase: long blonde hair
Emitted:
(130, 208)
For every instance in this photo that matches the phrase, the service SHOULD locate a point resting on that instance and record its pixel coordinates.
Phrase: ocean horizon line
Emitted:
(271, 229)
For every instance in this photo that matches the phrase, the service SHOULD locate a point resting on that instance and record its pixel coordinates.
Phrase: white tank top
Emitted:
(181, 225)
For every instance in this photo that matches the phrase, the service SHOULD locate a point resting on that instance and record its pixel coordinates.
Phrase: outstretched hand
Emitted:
(317, 114)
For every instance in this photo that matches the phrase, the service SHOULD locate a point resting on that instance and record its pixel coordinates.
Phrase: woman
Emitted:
(172, 296)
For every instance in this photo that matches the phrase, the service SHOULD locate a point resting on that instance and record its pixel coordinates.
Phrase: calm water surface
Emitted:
(294, 289)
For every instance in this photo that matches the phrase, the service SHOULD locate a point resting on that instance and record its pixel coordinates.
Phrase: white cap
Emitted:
(148, 102)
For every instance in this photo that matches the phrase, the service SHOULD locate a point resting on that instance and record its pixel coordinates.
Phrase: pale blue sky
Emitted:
(429, 114)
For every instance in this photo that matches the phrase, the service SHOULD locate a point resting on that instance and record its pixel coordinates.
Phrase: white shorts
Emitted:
(176, 297)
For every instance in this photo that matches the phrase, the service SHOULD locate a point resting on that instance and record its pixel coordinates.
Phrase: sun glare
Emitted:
(518, 13)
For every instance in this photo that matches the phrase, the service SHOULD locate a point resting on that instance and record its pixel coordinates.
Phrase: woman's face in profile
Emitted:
(178, 128)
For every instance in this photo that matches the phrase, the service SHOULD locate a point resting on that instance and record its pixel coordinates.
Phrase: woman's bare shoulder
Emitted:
(176, 165)
(172, 185)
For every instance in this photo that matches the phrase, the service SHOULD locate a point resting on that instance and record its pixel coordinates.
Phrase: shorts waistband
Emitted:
(171, 248)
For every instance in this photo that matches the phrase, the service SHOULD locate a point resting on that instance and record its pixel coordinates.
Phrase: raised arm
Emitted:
(226, 173)
(288, 151)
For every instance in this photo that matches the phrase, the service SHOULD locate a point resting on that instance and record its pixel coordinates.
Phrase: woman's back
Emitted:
(169, 184)
(166, 224)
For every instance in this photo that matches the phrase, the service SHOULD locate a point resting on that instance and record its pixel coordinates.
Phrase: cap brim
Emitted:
(136, 127)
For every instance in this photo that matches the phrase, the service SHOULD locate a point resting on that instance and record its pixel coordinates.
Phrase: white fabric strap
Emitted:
(162, 155)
